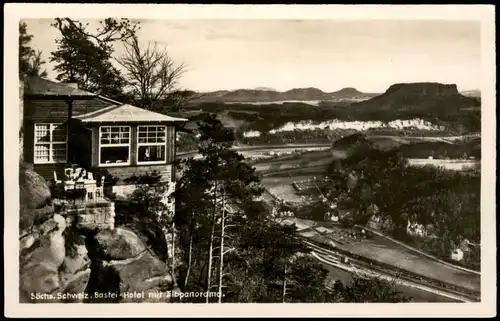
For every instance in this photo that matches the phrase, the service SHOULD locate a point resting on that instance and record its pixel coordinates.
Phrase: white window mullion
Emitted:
(114, 137)
(48, 145)
(149, 136)
(51, 146)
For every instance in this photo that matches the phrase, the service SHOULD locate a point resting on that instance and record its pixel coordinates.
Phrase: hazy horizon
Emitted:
(368, 55)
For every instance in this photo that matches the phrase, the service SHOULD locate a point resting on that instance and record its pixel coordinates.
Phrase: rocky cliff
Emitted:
(418, 97)
(64, 261)
(423, 89)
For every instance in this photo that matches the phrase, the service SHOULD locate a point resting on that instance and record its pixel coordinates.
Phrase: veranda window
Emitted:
(50, 143)
(151, 144)
(114, 148)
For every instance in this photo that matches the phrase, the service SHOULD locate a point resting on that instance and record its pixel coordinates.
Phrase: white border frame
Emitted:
(150, 144)
(99, 164)
(485, 14)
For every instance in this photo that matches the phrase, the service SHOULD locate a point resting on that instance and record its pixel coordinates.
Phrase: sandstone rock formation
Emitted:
(418, 97)
(422, 89)
(120, 243)
(35, 203)
(61, 261)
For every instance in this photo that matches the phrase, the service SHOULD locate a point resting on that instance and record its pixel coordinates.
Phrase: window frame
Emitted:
(50, 143)
(101, 145)
(164, 144)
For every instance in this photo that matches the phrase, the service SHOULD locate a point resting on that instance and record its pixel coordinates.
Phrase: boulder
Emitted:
(120, 243)
(34, 198)
(144, 273)
(40, 263)
(75, 287)
(74, 264)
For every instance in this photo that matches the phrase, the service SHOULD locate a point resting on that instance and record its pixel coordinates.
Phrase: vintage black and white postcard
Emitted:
(246, 160)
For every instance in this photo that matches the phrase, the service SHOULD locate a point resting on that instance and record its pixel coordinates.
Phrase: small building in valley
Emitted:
(457, 255)
(416, 229)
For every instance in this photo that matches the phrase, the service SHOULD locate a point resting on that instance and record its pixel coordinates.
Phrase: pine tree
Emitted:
(85, 58)
(30, 60)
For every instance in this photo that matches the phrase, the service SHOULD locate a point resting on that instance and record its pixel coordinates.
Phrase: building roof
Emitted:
(44, 88)
(126, 113)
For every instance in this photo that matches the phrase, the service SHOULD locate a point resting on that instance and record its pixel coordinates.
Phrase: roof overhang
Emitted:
(126, 114)
(60, 97)
(40, 88)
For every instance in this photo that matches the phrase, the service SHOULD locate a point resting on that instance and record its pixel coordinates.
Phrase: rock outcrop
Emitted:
(423, 89)
(41, 258)
(421, 97)
(120, 243)
(64, 261)
(133, 271)
(34, 198)
(350, 145)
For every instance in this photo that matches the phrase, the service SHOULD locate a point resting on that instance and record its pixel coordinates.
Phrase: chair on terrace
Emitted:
(56, 181)
(99, 191)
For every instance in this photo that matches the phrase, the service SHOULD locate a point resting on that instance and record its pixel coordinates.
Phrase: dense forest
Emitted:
(446, 202)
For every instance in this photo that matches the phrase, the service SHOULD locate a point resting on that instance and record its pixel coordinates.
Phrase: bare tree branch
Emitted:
(151, 73)
(110, 30)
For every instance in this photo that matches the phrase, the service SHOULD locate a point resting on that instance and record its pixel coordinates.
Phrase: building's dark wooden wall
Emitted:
(126, 172)
(57, 110)
(84, 144)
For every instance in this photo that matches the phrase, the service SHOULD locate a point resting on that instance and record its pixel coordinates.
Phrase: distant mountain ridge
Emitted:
(263, 94)
(265, 88)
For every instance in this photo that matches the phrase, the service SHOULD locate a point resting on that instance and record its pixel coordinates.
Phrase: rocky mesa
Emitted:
(435, 97)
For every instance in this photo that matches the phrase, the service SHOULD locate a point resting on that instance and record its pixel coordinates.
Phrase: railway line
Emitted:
(365, 267)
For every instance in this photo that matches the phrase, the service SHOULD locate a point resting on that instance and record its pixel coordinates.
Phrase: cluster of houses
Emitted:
(65, 127)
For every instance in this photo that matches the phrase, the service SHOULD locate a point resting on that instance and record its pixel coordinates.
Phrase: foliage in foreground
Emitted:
(30, 59)
(447, 203)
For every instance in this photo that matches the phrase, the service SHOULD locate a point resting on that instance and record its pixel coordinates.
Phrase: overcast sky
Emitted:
(327, 54)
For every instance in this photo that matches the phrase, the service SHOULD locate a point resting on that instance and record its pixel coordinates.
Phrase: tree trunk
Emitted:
(221, 261)
(284, 283)
(210, 249)
(173, 254)
(189, 261)
(211, 244)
